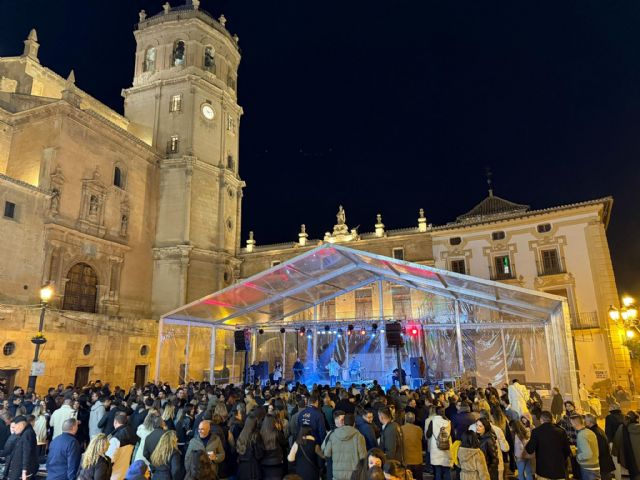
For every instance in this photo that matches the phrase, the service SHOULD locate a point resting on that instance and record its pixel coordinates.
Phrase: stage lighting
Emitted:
(308, 335)
(261, 331)
(350, 327)
(382, 330)
(363, 331)
(302, 329)
(374, 326)
(327, 328)
(282, 330)
(414, 331)
(334, 332)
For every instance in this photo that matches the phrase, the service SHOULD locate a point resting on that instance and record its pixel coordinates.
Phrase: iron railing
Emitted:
(585, 320)
(552, 266)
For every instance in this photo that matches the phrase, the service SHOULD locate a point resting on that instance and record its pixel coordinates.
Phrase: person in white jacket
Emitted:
(440, 459)
(502, 441)
(60, 415)
(518, 398)
(96, 414)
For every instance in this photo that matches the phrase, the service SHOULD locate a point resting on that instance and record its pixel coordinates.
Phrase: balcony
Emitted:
(553, 266)
(584, 320)
(498, 275)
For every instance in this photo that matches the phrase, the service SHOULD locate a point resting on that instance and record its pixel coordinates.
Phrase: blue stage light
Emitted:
(382, 330)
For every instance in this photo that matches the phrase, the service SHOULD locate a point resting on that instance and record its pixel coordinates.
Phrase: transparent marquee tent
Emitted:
(335, 301)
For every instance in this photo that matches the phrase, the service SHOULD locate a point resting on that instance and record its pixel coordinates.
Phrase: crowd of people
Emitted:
(199, 431)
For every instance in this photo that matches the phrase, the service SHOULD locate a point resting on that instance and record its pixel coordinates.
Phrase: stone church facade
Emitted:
(130, 216)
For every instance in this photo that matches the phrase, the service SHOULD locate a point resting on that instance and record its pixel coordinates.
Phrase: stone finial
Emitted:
(142, 15)
(222, 19)
(31, 46)
(166, 7)
(422, 221)
(251, 243)
(303, 235)
(236, 38)
(196, 4)
(71, 79)
(379, 226)
(69, 94)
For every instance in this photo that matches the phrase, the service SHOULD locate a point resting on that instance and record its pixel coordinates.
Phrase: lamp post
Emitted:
(628, 314)
(46, 294)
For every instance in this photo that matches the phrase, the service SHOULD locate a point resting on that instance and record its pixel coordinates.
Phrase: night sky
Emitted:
(390, 106)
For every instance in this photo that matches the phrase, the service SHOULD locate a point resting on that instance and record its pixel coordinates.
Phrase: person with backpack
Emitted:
(412, 445)
(439, 438)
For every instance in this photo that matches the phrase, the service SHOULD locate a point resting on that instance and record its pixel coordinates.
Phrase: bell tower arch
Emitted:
(183, 102)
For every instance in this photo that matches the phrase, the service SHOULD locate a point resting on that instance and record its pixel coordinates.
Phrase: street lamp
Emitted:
(628, 312)
(46, 294)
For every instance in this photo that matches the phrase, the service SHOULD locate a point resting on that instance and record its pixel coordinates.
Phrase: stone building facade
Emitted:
(130, 216)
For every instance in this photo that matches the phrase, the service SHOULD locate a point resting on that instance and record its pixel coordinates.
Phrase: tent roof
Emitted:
(330, 270)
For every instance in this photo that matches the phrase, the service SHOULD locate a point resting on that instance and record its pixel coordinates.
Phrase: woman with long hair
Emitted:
(221, 409)
(250, 450)
(168, 414)
(393, 470)
(150, 421)
(489, 446)
(95, 465)
(40, 426)
(521, 436)
(473, 465)
(166, 461)
(272, 462)
(306, 454)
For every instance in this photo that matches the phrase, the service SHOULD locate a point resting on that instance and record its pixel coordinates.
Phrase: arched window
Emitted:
(118, 177)
(230, 163)
(178, 53)
(209, 59)
(81, 289)
(149, 60)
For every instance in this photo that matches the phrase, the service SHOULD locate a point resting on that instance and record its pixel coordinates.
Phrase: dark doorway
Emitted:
(10, 375)
(140, 375)
(183, 369)
(82, 376)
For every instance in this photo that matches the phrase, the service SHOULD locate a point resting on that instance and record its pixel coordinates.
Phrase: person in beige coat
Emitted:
(473, 465)
(412, 445)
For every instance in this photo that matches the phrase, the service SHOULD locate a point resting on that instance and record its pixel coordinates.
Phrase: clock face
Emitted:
(208, 112)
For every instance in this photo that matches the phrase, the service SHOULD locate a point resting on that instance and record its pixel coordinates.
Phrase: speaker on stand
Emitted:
(242, 340)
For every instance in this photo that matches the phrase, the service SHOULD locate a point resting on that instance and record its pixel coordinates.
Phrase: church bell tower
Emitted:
(183, 102)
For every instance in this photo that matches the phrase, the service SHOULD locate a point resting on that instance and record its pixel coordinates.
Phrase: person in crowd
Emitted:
(5, 430)
(166, 461)
(152, 421)
(121, 443)
(551, 447)
(277, 373)
(626, 445)
(471, 460)
(334, 370)
(41, 427)
(95, 465)
(612, 421)
(393, 470)
(390, 436)
(250, 449)
(501, 440)
(587, 455)
(489, 446)
(565, 421)
(313, 417)
(168, 414)
(452, 409)
(274, 443)
(412, 444)
(138, 470)
(364, 424)
(60, 415)
(64, 455)
(521, 436)
(518, 398)
(21, 451)
(439, 440)
(328, 406)
(463, 419)
(345, 446)
(306, 455)
(557, 404)
(607, 467)
(151, 440)
(298, 370)
(208, 442)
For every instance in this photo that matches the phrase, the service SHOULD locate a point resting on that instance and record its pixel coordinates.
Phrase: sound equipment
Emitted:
(242, 339)
(262, 371)
(414, 363)
(393, 332)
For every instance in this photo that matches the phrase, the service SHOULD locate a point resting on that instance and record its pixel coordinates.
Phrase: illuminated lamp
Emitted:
(414, 331)
(630, 333)
(363, 331)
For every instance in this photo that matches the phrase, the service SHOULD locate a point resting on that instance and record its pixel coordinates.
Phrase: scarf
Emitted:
(628, 452)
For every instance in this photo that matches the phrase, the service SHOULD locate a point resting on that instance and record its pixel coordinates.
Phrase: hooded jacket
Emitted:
(472, 464)
(97, 412)
(346, 447)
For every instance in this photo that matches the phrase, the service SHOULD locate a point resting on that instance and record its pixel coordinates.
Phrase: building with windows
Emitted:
(131, 216)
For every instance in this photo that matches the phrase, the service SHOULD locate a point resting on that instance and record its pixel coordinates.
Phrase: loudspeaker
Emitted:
(414, 363)
(393, 333)
(262, 371)
(242, 340)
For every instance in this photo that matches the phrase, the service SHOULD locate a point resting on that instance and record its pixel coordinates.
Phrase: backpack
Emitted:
(443, 441)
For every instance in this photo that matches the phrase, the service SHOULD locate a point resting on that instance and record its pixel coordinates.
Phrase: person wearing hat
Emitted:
(21, 451)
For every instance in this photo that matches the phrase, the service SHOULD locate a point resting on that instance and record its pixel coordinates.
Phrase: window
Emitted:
(176, 103)
(502, 265)
(173, 144)
(275, 263)
(8, 349)
(455, 241)
(401, 300)
(550, 262)
(149, 60)
(81, 290)
(458, 266)
(544, 228)
(497, 236)
(9, 210)
(231, 124)
(86, 350)
(178, 53)
(398, 253)
(364, 303)
(209, 60)
(118, 177)
(230, 163)
(144, 350)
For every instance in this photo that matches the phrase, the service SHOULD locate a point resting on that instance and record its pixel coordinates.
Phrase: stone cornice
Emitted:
(24, 185)
(56, 227)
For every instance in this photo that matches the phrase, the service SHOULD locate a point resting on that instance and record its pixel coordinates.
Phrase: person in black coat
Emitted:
(151, 441)
(604, 453)
(250, 450)
(5, 432)
(551, 446)
(489, 446)
(21, 451)
(166, 461)
(612, 422)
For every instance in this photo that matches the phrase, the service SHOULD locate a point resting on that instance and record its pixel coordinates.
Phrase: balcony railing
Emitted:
(585, 320)
(499, 275)
(551, 267)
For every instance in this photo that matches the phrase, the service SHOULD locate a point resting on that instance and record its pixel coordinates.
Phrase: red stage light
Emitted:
(414, 331)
